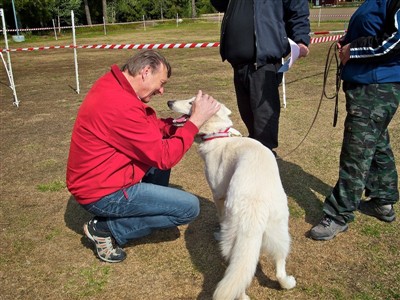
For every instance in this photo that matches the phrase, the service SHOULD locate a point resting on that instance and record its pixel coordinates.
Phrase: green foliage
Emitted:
(52, 234)
(54, 186)
(370, 230)
(92, 279)
(41, 13)
(62, 9)
(96, 279)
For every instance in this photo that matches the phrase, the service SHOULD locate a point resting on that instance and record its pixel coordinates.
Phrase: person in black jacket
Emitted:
(254, 39)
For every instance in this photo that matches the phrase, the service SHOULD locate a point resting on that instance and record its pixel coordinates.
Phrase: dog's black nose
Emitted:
(170, 103)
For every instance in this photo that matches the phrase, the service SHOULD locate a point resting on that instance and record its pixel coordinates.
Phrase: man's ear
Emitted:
(145, 72)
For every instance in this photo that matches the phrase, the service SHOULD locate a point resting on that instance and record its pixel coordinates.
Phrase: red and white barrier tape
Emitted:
(324, 39)
(121, 46)
(151, 46)
(323, 15)
(327, 32)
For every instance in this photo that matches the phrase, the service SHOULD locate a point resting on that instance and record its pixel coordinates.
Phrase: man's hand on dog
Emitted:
(203, 108)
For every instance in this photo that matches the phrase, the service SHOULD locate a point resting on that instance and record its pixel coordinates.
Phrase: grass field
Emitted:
(43, 254)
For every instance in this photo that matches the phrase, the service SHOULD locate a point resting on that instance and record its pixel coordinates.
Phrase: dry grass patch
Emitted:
(43, 254)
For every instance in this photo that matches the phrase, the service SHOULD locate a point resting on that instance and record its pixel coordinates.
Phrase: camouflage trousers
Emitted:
(367, 164)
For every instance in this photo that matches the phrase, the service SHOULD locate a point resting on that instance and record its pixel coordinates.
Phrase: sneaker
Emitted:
(382, 212)
(104, 243)
(327, 229)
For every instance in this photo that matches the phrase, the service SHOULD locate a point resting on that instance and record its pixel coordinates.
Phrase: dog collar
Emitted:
(228, 132)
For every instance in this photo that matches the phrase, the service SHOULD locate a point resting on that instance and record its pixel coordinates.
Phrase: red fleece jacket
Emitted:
(117, 138)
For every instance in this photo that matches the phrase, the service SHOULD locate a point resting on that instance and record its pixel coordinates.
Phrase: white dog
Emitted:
(251, 203)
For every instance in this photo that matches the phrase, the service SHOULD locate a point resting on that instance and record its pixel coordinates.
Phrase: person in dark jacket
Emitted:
(370, 56)
(254, 38)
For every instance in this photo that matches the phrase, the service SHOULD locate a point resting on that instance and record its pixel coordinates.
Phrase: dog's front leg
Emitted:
(219, 204)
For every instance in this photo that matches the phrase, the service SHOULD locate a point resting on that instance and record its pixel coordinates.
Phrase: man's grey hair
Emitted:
(146, 58)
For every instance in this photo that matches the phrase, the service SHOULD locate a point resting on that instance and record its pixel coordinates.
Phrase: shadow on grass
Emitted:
(302, 186)
(206, 255)
(203, 249)
(75, 216)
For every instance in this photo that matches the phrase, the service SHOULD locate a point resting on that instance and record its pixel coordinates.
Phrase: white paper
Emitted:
(294, 55)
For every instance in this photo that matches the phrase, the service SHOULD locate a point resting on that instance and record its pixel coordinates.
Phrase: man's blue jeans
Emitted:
(135, 211)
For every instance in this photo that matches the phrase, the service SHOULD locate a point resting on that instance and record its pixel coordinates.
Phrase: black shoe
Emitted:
(381, 212)
(104, 243)
(327, 229)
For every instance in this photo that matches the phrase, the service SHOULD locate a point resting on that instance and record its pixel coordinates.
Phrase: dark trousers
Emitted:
(157, 176)
(367, 163)
(257, 93)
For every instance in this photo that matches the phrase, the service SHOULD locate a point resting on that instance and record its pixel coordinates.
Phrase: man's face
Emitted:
(153, 83)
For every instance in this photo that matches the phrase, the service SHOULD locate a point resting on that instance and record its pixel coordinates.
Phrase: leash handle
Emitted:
(339, 67)
(338, 83)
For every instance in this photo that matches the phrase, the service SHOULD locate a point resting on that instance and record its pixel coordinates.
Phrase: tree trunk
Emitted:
(87, 12)
(194, 14)
(104, 4)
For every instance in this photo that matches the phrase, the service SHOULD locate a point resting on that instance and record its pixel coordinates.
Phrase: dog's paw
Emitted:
(287, 283)
(244, 297)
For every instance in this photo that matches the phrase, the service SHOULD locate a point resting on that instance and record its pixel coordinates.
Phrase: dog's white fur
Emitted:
(251, 204)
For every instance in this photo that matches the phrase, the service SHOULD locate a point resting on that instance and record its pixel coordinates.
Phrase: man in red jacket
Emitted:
(121, 155)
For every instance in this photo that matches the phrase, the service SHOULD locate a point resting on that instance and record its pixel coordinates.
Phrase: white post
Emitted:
(104, 25)
(55, 31)
(283, 86)
(9, 71)
(144, 24)
(177, 20)
(319, 16)
(75, 54)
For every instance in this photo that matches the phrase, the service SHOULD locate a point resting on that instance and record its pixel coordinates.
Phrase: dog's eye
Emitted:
(191, 103)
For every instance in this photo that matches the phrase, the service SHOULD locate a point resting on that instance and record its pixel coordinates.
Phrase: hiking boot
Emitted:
(327, 229)
(104, 243)
(381, 212)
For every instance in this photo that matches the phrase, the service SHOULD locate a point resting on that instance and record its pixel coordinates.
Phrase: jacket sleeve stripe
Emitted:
(381, 48)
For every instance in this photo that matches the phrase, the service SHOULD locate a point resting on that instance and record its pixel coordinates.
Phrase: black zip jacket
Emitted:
(274, 22)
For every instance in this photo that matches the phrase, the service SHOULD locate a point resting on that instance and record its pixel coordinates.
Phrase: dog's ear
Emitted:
(224, 110)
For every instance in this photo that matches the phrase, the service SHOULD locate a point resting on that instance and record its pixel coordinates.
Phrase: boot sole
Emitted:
(381, 218)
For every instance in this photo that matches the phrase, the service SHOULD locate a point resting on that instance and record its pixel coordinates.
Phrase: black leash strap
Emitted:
(332, 54)
(328, 63)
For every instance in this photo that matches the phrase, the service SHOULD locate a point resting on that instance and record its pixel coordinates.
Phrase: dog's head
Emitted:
(217, 122)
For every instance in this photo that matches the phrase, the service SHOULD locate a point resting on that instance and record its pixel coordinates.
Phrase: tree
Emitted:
(104, 5)
(63, 8)
(194, 13)
(87, 12)
(39, 13)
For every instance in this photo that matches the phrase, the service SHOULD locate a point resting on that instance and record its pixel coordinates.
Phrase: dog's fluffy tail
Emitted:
(242, 246)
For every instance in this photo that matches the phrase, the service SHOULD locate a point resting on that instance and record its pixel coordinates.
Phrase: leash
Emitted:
(338, 80)
(332, 54)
